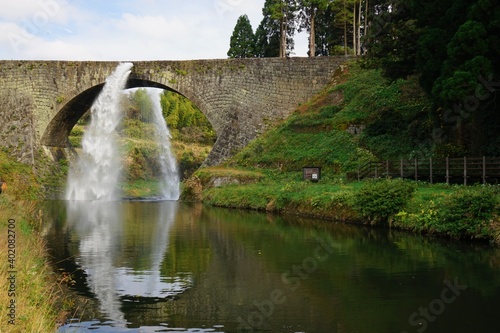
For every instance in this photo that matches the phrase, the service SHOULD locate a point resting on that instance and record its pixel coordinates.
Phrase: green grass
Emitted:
(394, 117)
(39, 301)
(451, 211)
(141, 189)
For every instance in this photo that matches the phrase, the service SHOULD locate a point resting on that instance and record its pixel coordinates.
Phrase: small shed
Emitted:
(311, 173)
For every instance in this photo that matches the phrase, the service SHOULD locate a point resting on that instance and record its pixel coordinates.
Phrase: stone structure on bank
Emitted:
(41, 101)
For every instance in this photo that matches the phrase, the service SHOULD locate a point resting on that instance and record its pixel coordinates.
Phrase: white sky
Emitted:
(123, 29)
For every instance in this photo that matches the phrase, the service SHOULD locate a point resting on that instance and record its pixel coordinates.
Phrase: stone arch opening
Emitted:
(59, 128)
(58, 136)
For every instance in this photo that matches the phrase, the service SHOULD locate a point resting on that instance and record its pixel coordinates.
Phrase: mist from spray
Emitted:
(169, 175)
(97, 172)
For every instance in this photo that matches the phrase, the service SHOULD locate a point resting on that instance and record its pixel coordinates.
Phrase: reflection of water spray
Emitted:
(104, 246)
(169, 181)
(148, 280)
(98, 225)
(97, 173)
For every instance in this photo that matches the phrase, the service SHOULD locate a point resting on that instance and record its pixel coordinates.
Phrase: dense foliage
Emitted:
(242, 43)
(185, 121)
(463, 213)
(453, 47)
(378, 201)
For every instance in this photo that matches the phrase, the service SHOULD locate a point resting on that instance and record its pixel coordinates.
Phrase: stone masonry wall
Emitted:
(40, 101)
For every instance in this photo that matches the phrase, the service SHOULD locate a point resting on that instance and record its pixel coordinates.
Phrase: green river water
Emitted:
(153, 266)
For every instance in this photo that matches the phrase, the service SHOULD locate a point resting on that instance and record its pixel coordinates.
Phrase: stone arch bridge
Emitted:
(41, 101)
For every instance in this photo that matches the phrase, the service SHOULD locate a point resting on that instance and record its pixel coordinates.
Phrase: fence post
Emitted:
(416, 170)
(447, 170)
(484, 170)
(387, 169)
(430, 169)
(376, 171)
(465, 170)
(402, 171)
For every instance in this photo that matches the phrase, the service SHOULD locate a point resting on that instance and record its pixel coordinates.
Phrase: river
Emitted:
(159, 266)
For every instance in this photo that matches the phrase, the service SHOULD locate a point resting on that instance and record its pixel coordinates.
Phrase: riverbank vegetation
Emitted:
(441, 210)
(361, 117)
(39, 303)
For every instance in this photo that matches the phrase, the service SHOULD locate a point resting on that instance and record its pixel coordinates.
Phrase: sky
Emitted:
(121, 30)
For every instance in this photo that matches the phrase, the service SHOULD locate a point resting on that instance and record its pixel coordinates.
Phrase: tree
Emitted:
(329, 36)
(453, 46)
(278, 22)
(308, 11)
(242, 44)
(391, 40)
(267, 40)
(343, 17)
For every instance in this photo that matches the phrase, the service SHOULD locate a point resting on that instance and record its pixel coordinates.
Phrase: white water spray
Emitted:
(169, 179)
(97, 173)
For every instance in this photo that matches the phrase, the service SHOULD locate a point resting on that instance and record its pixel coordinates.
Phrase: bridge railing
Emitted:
(464, 170)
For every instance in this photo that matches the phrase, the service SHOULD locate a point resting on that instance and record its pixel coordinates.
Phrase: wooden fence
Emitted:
(466, 170)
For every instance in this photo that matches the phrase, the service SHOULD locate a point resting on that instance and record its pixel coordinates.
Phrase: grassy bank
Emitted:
(360, 117)
(35, 289)
(459, 212)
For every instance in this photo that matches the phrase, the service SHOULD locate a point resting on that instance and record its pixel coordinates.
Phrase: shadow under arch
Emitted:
(59, 128)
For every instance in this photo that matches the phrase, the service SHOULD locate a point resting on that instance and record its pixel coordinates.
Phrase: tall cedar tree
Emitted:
(329, 36)
(278, 23)
(343, 20)
(308, 12)
(267, 39)
(392, 37)
(242, 44)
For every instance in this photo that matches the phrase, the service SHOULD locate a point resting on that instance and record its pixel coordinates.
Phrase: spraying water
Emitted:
(169, 179)
(97, 173)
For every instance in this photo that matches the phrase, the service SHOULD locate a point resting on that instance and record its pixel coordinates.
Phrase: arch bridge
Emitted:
(41, 101)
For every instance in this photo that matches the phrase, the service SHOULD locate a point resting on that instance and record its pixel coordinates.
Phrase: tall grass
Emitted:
(38, 297)
(36, 292)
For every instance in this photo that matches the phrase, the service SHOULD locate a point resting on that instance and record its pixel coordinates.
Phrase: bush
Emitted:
(75, 141)
(379, 200)
(468, 212)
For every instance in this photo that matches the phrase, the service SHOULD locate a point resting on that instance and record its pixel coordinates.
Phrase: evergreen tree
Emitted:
(278, 23)
(392, 37)
(343, 20)
(308, 12)
(453, 45)
(242, 44)
(267, 39)
(329, 36)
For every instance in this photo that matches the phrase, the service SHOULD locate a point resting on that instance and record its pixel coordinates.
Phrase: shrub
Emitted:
(468, 212)
(75, 141)
(379, 200)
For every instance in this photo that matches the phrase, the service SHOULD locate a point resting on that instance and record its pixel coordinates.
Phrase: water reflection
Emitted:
(181, 268)
(115, 272)
(98, 227)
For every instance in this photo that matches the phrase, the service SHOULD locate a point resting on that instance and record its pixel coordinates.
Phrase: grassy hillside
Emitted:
(362, 118)
(365, 117)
